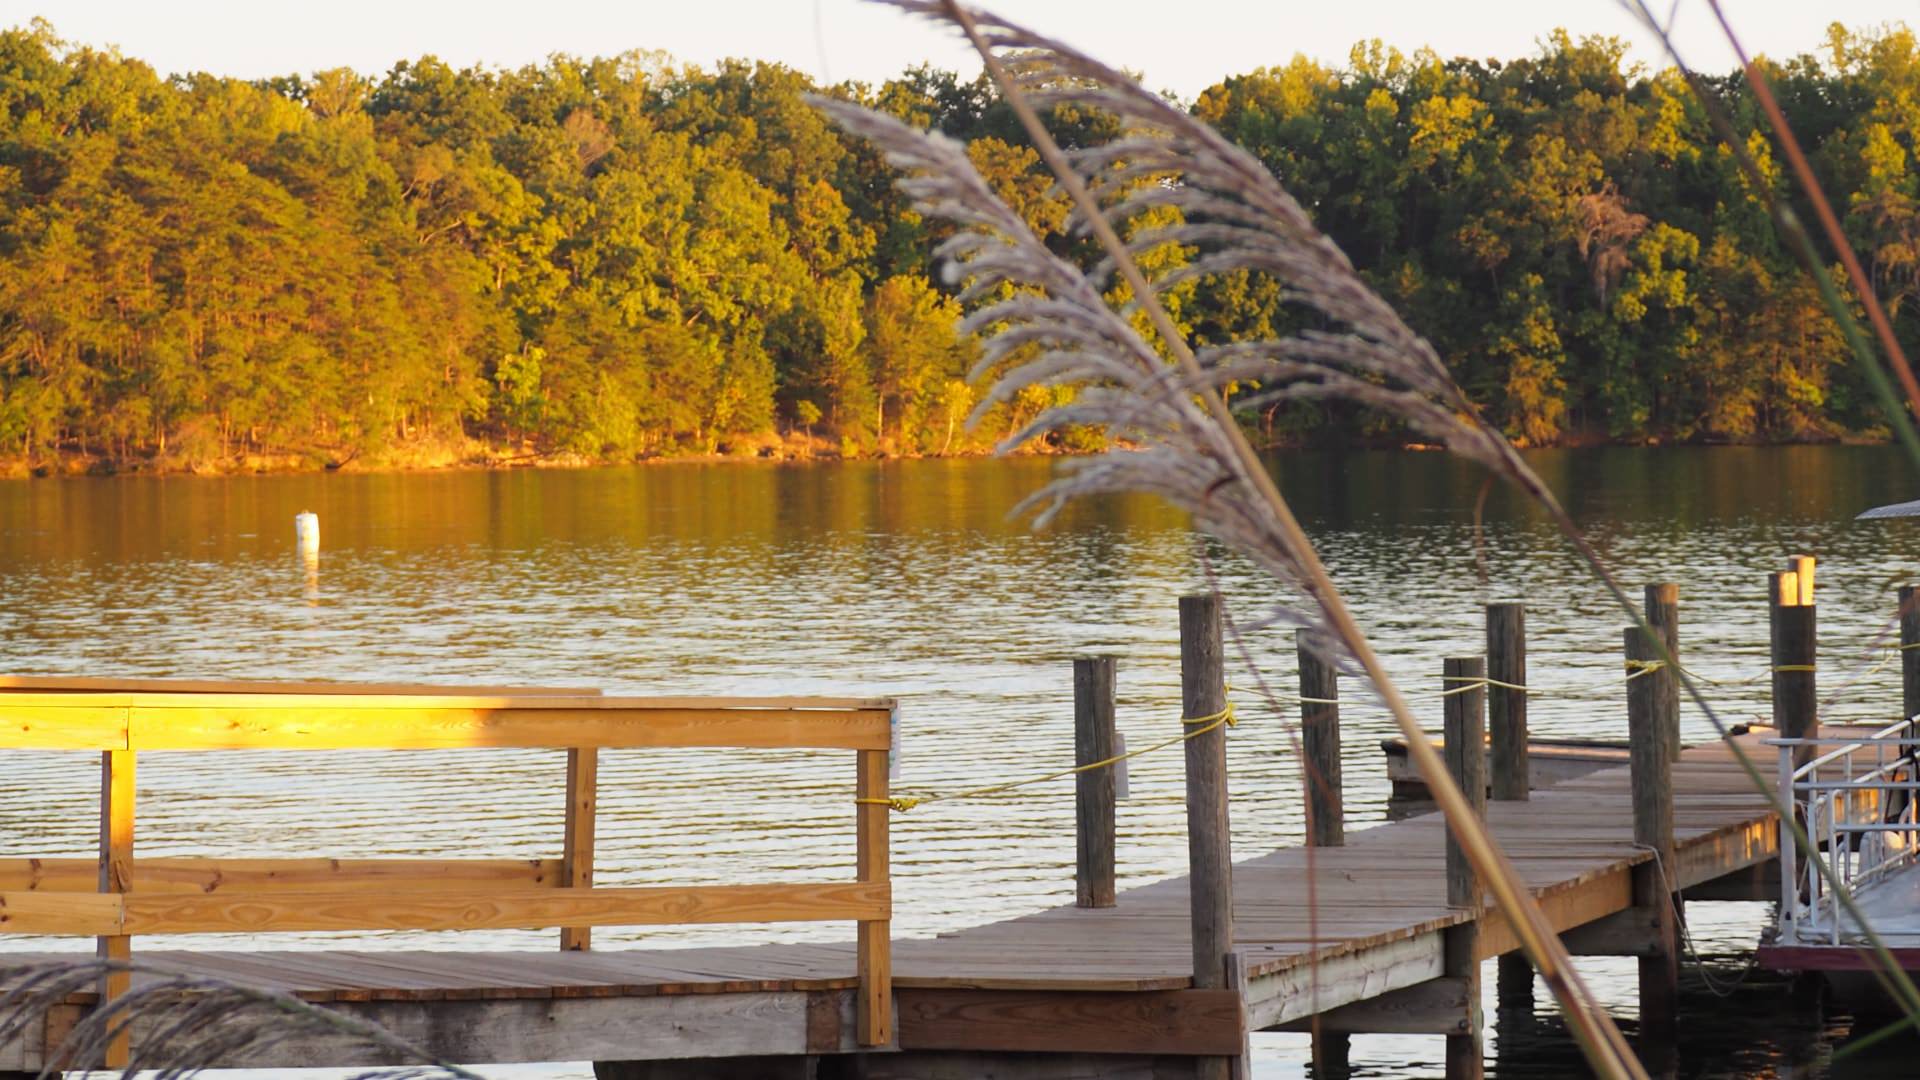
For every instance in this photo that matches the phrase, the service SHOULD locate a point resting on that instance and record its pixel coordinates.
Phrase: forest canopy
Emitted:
(615, 258)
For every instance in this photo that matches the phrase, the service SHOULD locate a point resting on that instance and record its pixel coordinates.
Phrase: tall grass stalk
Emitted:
(1048, 323)
(1236, 216)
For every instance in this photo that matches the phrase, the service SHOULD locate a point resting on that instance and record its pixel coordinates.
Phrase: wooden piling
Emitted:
(1093, 740)
(1326, 809)
(1320, 744)
(1652, 718)
(1203, 697)
(1465, 752)
(1465, 739)
(1507, 707)
(1795, 692)
(1464, 683)
(1663, 614)
(1507, 754)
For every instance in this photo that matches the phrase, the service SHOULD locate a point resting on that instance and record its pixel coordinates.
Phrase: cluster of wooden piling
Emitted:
(1485, 705)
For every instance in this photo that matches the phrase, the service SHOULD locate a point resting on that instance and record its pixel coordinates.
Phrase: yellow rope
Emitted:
(1637, 668)
(1196, 725)
(1794, 667)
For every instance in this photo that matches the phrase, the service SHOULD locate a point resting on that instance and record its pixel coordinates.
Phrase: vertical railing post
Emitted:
(116, 876)
(576, 871)
(1093, 740)
(1795, 693)
(1651, 719)
(1203, 697)
(1908, 801)
(873, 1011)
(1789, 852)
(1326, 801)
(1909, 651)
(1507, 755)
(1464, 684)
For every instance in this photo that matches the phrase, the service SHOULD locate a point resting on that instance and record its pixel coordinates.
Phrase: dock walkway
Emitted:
(1359, 927)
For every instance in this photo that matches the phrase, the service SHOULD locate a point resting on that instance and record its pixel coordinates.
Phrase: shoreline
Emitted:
(426, 460)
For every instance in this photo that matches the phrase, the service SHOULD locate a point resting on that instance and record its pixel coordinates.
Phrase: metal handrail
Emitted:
(1847, 818)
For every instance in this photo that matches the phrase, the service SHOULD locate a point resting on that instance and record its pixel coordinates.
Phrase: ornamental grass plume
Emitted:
(1047, 321)
(187, 1021)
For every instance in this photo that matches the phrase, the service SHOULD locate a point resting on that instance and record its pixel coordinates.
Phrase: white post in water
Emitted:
(306, 533)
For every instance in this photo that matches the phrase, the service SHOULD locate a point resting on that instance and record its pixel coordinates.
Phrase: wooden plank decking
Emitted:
(1319, 928)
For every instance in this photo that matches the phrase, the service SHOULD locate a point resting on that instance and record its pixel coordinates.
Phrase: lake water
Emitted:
(909, 580)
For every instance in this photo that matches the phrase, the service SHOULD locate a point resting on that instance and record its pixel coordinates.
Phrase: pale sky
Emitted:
(1181, 45)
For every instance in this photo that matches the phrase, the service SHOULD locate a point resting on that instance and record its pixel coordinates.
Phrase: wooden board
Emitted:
(407, 722)
(1155, 1022)
(85, 684)
(204, 876)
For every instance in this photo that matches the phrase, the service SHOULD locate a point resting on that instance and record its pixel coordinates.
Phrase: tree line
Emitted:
(613, 258)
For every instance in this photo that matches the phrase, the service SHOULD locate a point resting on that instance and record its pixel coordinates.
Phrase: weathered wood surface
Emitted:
(1377, 927)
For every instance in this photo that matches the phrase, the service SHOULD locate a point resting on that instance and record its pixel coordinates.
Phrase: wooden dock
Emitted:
(1352, 934)
(1373, 930)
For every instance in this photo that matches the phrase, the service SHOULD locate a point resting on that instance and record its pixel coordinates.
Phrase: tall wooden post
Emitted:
(1326, 807)
(873, 944)
(1320, 743)
(1663, 614)
(1651, 719)
(1465, 745)
(1507, 707)
(1507, 755)
(1093, 740)
(1203, 695)
(1795, 692)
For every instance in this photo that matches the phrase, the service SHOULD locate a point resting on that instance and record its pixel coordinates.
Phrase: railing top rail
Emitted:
(111, 684)
(421, 697)
(1845, 745)
(207, 721)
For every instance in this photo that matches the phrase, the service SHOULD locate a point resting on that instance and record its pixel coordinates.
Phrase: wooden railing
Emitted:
(119, 896)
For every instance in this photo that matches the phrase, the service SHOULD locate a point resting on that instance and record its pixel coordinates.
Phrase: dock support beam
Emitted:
(1203, 697)
(1651, 721)
(1465, 744)
(1507, 756)
(1093, 740)
(1326, 806)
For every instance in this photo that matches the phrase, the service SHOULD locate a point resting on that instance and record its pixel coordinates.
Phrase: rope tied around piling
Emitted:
(1196, 727)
